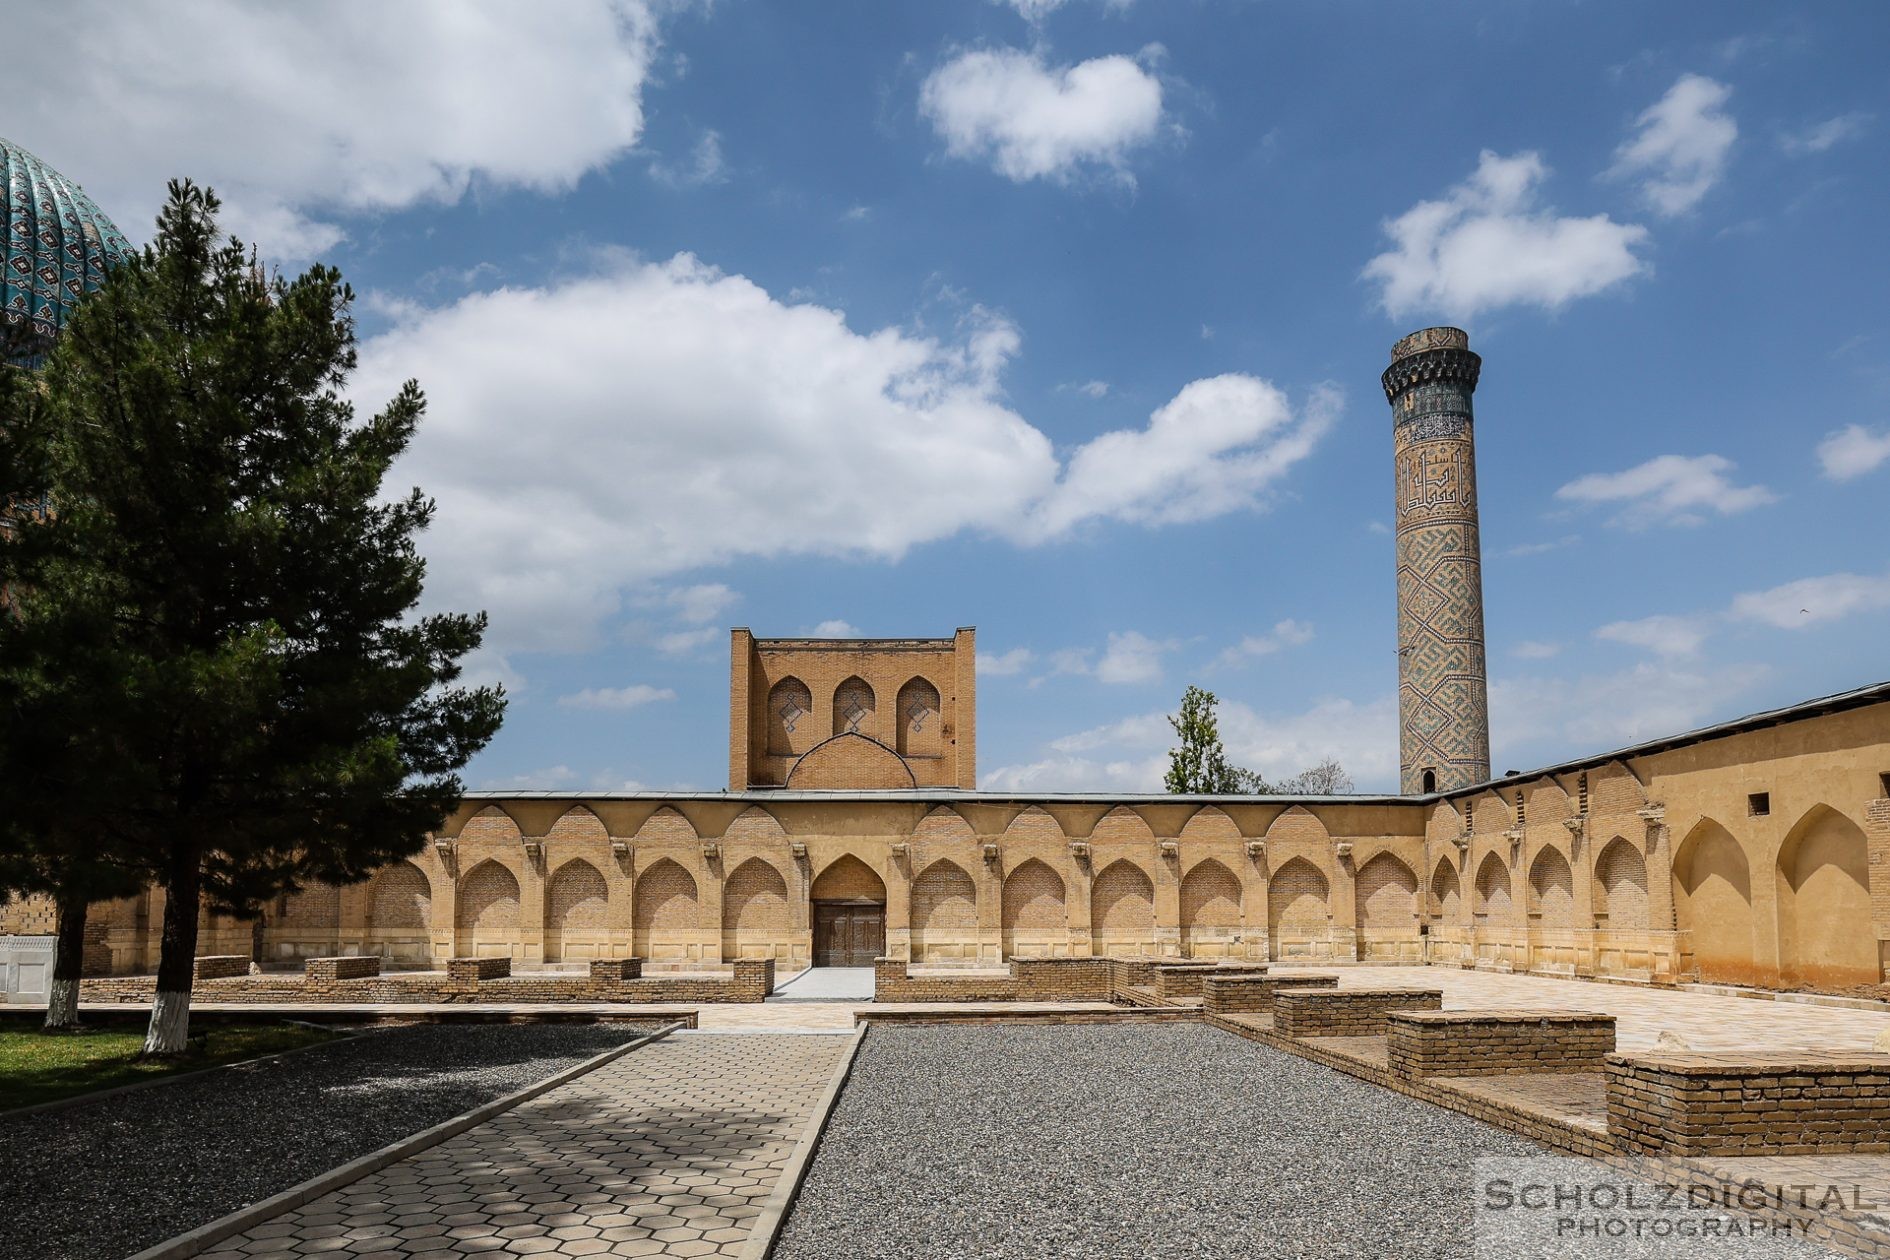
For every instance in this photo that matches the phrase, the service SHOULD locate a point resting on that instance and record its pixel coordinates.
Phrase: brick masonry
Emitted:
(218, 966)
(1301, 1012)
(1184, 980)
(1750, 1104)
(326, 971)
(1496, 1043)
(1243, 994)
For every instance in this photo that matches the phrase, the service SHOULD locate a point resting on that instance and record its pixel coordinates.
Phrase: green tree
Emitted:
(1199, 765)
(221, 607)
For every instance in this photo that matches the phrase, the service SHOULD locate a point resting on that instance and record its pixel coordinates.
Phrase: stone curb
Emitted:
(774, 1212)
(196, 1241)
(79, 1100)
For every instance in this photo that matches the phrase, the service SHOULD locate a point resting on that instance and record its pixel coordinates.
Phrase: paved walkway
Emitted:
(670, 1151)
(826, 984)
(1704, 1021)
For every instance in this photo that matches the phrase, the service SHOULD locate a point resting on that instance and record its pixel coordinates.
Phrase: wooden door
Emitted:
(848, 934)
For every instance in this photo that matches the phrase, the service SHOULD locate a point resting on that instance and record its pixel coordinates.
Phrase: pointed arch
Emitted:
(1551, 890)
(577, 828)
(1122, 826)
(1210, 825)
(577, 910)
(1492, 814)
(944, 913)
(790, 718)
(666, 826)
(1035, 824)
(1621, 888)
(1298, 824)
(315, 908)
(944, 828)
(850, 761)
(400, 900)
(1494, 905)
(493, 828)
(855, 708)
(1713, 903)
(1825, 936)
(1387, 897)
(1122, 911)
(1299, 911)
(846, 878)
(1035, 916)
(487, 912)
(755, 918)
(1210, 911)
(1443, 824)
(920, 719)
(755, 826)
(1446, 893)
(665, 916)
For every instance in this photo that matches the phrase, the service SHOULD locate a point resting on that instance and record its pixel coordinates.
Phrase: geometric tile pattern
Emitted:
(55, 244)
(671, 1150)
(1443, 692)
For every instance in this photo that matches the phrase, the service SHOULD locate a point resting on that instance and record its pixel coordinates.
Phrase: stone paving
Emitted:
(671, 1150)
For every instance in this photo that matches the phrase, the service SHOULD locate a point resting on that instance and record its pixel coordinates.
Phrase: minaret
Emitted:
(1443, 691)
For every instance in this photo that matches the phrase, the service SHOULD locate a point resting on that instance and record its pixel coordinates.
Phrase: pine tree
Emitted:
(220, 609)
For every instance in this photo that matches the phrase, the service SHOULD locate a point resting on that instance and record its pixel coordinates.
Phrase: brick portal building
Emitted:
(1757, 851)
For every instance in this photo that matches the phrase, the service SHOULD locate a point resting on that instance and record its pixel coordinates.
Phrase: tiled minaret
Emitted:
(1443, 693)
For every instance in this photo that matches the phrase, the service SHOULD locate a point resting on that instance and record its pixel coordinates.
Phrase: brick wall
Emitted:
(472, 970)
(892, 983)
(1065, 979)
(1801, 1103)
(1253, 994)
(1184, 980)
(1303, 1012)
(329, 970)
(620, 980)
(217, 966)
(1496, 1043)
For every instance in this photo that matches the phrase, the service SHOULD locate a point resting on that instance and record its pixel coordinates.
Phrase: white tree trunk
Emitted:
(62, 1004)
(170, 1024)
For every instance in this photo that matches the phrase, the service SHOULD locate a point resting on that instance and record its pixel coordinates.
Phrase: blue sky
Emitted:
(1064, 320)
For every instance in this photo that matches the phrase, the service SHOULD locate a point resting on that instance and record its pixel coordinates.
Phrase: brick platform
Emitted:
(473, 970)
(219, 966)
(1496, 1043)
(1251, 994)
(1184, 980)
(326, 971)
(1750, 1103)
(1300, 1012)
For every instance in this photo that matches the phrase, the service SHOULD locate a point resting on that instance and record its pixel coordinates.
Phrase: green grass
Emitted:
(37, 1067)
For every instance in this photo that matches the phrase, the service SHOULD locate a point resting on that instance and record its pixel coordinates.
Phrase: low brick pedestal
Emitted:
(1301, 1012)
(1249, 994)
(325, 971)
(1184, 980)
(1794, 1103)
(615, 970)
(219, 966)
(1496, 1043)
(473, 970)
(1064, 979)
(754, 980)
(894, 982)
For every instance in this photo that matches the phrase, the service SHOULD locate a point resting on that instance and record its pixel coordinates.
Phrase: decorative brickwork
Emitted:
(1496, 1043)
(1798, 1103)
(1304, 1012)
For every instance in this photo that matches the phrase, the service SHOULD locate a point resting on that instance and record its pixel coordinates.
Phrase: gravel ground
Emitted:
(103, 1180)
(1144, 1142)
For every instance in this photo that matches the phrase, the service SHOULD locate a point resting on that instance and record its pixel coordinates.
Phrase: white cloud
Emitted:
(548, 779)
(1535, 650)
(295, 113)
(1089, 389)
(1825, 135)
(1004, 664)
(1541, 548)
(1668, 490)
(683, 642)
(1131, 754)
(683, 417)
(1037, 121)
(1564, 717)
(636, 695)
(1285, 634)
(1853, 451)
(1214, 448)
(1681, 144)
(1663, 635)
(1132, 657)
(836, 629)
(705, 165)
(1487, 244)
(1809, 601)
(1035, 11)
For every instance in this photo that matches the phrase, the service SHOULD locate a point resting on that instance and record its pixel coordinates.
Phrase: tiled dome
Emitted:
(56, 246)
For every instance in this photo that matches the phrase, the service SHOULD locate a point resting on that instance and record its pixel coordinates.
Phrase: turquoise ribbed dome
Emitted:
(57, 245)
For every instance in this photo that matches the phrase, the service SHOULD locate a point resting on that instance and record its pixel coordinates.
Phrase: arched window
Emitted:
(790, 710)
(1430, 781)
(920, 722)
(854, 709)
